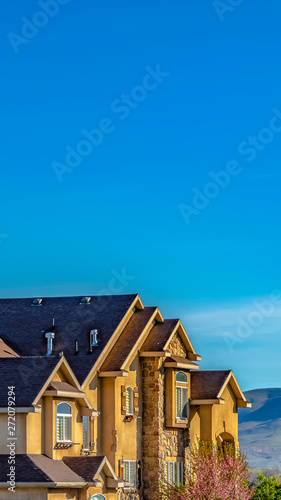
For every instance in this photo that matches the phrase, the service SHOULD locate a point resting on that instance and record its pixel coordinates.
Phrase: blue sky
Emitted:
(120, 208)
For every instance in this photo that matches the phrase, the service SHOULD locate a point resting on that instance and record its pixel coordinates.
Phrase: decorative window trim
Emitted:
(129, 402)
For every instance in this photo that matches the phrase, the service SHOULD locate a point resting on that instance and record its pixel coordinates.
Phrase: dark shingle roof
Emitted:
(127, 339)
(24, 326)
(207, 384)
(86, 467)
(27, 374)
(159, 335)
(38, 469)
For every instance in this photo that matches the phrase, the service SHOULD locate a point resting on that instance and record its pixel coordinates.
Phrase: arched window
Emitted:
(129, 401)
(182, 407)
(181, 377)
(98, 497)
(64, 422)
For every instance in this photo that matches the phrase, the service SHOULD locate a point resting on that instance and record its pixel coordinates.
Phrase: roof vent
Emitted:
(37, 302)
(85, 300)
(49, 336)
(93, 339)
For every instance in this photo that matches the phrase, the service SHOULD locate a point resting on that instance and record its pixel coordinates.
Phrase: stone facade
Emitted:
(177, 346)
(159, 442)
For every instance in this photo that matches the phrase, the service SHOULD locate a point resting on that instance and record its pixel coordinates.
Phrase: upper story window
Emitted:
(182, 409)
(64, 422)
(129, 401)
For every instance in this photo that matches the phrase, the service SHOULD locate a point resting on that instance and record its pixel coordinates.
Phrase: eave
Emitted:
(120, 373)
(154, 354)
(183, 366)
(199, 402)
(23, 409)
(47, 485)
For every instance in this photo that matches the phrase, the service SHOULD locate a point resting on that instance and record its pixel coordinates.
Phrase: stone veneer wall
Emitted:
(159, 442)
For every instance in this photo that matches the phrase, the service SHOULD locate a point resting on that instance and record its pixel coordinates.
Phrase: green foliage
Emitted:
(267, 489)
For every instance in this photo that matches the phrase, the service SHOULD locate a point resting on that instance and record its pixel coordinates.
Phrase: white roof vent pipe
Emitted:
(49, 336)
(93, 339)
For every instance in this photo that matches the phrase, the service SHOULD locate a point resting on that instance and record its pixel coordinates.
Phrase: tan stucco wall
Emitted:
(20, 422)
(225, 417)
(33, 433)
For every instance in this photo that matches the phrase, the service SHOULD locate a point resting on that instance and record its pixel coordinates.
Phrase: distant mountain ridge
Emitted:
(260, 428)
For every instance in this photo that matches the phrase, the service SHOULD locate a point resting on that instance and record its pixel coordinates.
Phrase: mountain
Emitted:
(260, 428)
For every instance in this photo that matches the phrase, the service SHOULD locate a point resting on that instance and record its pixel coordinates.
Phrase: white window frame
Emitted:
(129, 462)
(177, 472)
(130, 395)
(64, 427)
(182, 387)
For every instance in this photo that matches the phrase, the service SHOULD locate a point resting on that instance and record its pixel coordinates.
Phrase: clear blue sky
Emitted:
(119, 208)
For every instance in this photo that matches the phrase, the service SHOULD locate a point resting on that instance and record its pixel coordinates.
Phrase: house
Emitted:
(101, 397)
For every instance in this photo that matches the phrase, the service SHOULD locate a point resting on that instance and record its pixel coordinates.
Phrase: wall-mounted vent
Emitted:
(85, 300)
(49, 336)
(37, 302)
(93, 339)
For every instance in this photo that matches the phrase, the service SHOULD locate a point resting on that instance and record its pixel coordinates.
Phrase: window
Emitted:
(86, 433)
(129, 401)
(130, 472)
(174, 472)
(64, 422)
(98, 497)
(182, 409)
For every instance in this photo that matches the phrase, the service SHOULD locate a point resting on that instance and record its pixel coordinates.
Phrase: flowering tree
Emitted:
(214, 474)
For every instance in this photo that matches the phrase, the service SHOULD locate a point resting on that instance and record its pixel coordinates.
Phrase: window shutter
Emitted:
(92, 434)
(123, 400)
(121, 469)
(184, 393)
(136, 401)
(139, 474)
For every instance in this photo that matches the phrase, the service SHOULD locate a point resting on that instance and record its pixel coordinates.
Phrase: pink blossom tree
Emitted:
(213, 474)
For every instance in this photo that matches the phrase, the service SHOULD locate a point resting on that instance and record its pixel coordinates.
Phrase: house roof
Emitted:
(159, 335)
(179, 361)
(6, 351)
(27, 375)
(127, 339)
(38, 469)
(23, 327)
(86, 467)
(208, 384)
(64, 387)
